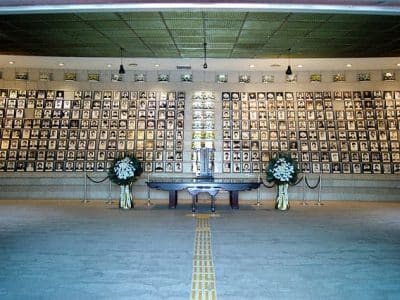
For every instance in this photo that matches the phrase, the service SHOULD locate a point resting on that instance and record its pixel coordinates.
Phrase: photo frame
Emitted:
(70, 76)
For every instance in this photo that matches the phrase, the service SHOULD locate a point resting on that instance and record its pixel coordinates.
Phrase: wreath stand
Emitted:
(282, 189)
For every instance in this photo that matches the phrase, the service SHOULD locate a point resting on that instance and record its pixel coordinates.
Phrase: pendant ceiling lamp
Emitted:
(121, 67)
(289, 68)
(205, 66)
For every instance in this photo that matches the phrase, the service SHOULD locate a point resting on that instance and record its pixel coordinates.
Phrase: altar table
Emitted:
(208, 185)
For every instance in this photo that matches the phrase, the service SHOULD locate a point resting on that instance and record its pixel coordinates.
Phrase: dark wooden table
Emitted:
(209, 185)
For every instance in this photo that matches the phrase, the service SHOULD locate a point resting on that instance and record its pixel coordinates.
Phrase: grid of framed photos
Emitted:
(203, 129)
(326, 132)
(41, 130)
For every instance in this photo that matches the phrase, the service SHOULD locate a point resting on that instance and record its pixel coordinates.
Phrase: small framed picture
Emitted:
(268, 78)
(21, 75)
(221, 78)
(388, 76)
(115, 77)
(245, 78)
(45, 76)
(188, 77)
(140, 77)
(70, 76)
(364, 76)
(339, 77)
(163, 77)
(315, 77)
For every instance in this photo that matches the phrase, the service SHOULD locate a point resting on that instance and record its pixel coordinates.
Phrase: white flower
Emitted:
(124, 169)
(283, 170)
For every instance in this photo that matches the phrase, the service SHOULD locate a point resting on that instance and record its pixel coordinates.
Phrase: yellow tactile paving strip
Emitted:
(203, 276)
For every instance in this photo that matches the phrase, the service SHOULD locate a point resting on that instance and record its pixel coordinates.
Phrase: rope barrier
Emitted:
(94, 181)
(296, 183)
(316, 185)
(86, 177)
(267, 186)
(271, 186)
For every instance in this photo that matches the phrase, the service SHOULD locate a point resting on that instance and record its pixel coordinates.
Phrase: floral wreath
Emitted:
(124, 170)
(282, 169)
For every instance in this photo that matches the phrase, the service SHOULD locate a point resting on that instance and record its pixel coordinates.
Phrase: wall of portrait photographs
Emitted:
(84, 130)
(55, 130)
(326, 132)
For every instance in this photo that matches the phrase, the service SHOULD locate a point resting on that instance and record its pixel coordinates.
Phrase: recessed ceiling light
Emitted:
(132, 65)
(11, 62)
(109, 65)
(398, 64)
(299, 66)
(156, 65)
(61, 64)
(251, 66)
(349, 65)
(275, 65)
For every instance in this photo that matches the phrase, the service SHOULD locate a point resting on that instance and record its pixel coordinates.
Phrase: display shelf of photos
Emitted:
(326, 132)
(41, 130)
(203, 124)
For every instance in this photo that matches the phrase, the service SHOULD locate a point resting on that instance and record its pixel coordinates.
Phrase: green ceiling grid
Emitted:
(151, 33)
(156, 45)
(151, 39)
(222, 24)
(187, 32)
(121, 25)
(166, 52)
(256, 34)
(224, 15)
(98, 16)
(265, 16)
(249, 45)
(77, 26)
(291, 34)
(118, 33)
(32, 25)
(190, 45)
(283, 43)
(222, 32)
(309, 18)
(184, 24)
(239, 53)
(261, 25)
(298, 26)
(187, 53)
(221, 39)
(146, 24)
(182, 15)
(335, 27)
(239, 32)
(139, 15)
(322, 34)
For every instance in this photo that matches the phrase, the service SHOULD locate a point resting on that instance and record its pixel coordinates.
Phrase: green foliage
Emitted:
(282, 162)
(133, 161)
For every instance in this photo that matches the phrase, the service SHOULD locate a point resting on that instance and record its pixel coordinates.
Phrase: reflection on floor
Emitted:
(70, 250)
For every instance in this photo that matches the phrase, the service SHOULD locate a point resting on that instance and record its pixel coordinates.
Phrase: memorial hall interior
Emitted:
(206, 103)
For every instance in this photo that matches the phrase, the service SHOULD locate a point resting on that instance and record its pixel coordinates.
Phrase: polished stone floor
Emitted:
(70, 250)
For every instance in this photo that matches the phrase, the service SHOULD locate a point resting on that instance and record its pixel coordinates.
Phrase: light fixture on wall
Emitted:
(121, 67)
(205, 66)
(289, 68)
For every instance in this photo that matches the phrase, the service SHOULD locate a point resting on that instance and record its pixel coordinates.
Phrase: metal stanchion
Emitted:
(304, 192)
(258, 203)
(319, 191)
(85, 189)
(149, 203)
(109, 201)
(318, 184)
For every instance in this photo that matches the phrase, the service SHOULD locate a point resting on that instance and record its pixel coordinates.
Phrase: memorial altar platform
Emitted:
(204, 185)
